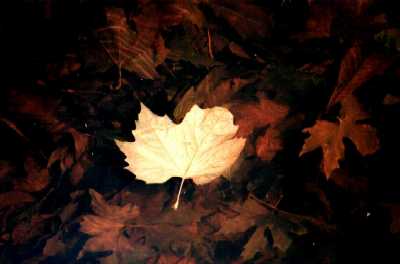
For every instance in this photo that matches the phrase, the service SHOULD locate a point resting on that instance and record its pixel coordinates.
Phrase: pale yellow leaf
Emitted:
(202, 147)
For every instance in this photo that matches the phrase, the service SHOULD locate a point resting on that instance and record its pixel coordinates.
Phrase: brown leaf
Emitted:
(172, 259)
(37, 177)
(391, 99)
(6, 168)
(250, 116)
(31, 229)
(317, 69)
(213, 90)
(54, 246)
(139, 52)
(330, 136)
(269, 144)
(238, 50)
(106, 226)
(72, 157)
(373, 65)
(256, 243)
(14, 198)
(350, 64)
(248, 19)
(394, 210)
(252, 213)
(319, 21)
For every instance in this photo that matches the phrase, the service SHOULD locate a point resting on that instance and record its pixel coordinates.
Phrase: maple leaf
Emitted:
(329, 136)
(250, 116)
(106, 226)
(202, 147)
(253, 213)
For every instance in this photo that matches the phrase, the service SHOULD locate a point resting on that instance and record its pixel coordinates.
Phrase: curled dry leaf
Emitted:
(201, 148)
(329, 136)
(106, 226)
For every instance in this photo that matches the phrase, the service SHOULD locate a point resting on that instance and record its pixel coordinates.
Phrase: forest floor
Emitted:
(312, 86)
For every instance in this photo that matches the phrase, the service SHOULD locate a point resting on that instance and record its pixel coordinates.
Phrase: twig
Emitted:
(210, 52)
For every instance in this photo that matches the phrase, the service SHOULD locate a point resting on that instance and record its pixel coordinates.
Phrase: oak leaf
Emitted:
(329, 136)
(202, 147)
(106, 227)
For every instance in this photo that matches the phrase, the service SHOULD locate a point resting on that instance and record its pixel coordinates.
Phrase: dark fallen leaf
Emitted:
(14, 198)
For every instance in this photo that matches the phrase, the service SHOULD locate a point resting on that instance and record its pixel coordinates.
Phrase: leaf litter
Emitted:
(141, 105)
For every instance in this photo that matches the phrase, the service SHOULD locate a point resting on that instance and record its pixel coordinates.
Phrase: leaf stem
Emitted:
(176, 204)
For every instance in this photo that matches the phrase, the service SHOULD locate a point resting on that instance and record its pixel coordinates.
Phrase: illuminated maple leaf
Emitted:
(201, 148)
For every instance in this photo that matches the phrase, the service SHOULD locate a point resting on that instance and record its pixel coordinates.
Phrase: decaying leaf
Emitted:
(371, 66)
(14, 198)
(105, 227)
(214, 90)
(329, 136)
(252, 213)
(138, 52)
(256, 243)
(249, 20)
(202, 147)
(37, 177)
(250, 116)
(30, 229)
(269, 144)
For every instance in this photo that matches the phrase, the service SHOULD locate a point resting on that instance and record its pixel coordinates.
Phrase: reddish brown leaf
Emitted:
(106, 226)
(350, 64)
(172, 259)
(6, 168)
(14, 198)
(37, 177)
(329, 136)
(394, 210)
(213, 90)
(319, 21)
(391, 100)
(370, 67)
(26, 231)
(238, 51)
(250, 116)
(249, 20)
(138, 52)
(269, 144)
